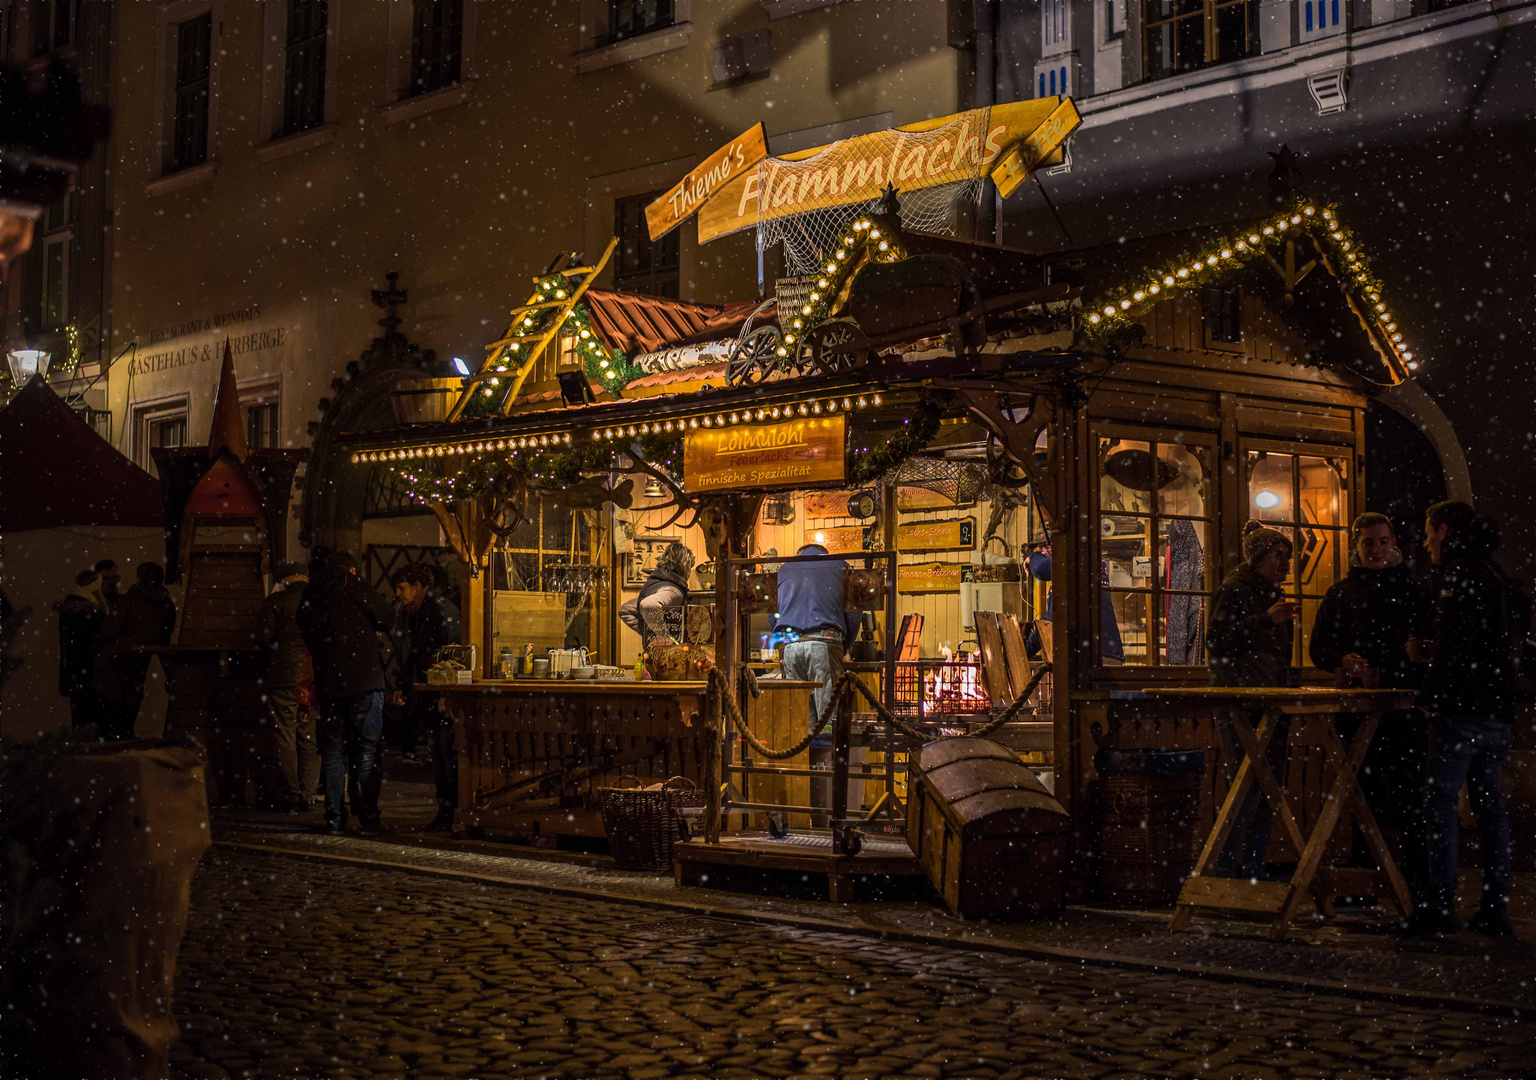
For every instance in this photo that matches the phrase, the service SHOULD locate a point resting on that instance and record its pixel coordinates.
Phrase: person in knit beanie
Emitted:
(1249, 642)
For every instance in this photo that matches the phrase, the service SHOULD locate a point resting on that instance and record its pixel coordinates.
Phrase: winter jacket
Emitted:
(339, 617)
(1471, 673)
(1246, 646)
(280, 638)
(662, 590)
(80, 620)
(419, 634)
(1373, 613)
(145, 616)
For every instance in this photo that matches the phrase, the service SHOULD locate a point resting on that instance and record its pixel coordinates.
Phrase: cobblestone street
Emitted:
(297, 968)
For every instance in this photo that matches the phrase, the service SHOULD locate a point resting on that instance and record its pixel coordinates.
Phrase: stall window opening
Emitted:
(1181, 35)
(1306, 496)
(1155, 525)
(1223, 312)
(640, 265)
(547, 578)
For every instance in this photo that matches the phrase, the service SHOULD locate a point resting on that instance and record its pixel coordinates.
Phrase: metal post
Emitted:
(842, 731)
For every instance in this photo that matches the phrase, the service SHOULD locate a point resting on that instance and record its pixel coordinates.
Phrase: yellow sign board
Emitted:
(945, 150)
(837, 539)
(958, 534)
(1020, 162)
(930, 577)
(789, 454)
(693, 191)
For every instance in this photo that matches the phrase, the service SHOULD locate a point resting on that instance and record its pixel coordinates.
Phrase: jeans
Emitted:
(1248, 840)
(1468, 749)
(297, 754)
(350, 732)
(1393, 778)
(437, 726)
(815, 660)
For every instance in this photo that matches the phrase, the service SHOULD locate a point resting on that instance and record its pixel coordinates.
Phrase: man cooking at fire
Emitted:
(811, 607)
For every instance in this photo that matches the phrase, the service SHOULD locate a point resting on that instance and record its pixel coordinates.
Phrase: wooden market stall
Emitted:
(1105, 418)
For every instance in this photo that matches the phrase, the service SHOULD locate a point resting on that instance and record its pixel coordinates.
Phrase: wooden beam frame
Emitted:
(535, 346)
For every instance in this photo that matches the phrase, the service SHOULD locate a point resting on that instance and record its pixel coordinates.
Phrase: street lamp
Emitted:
(26, 363)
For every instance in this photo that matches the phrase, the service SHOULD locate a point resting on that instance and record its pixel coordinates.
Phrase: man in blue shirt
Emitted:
(1112, 650)
(811, 605)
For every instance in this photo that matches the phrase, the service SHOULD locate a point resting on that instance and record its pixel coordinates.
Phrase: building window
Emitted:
(304, 67)
(640, 265)
(1180, 35)
(58, 237)
(437, 45)
(194, 40)
(1053, 24)
(631, 18)
(261, 425)
(54, 25)
(1114, 18)
(1154, 545)
(1223, 315)
(169, 433)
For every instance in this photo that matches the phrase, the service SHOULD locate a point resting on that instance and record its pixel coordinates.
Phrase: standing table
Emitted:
(1280, 898)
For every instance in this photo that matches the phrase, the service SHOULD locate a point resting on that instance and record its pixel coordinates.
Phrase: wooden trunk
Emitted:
(533, 753)
(991, 838)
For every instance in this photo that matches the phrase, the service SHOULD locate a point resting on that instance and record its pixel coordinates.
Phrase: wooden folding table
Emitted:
(1284, 898)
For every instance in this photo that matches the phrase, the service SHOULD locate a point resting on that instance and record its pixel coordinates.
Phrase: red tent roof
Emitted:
(56, 471)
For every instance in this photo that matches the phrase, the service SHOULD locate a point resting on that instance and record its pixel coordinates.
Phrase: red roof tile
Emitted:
(638, 324)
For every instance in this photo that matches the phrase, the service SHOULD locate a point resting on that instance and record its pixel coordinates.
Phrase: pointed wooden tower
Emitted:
(223, 544)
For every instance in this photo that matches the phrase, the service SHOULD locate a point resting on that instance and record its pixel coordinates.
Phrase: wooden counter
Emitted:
(534, 752)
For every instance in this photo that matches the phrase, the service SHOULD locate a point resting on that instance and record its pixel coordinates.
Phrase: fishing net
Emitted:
(959, 481)
(952, 152)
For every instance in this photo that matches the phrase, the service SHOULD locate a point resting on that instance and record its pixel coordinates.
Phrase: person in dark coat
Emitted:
(1361, 635)
(107, 570)
(81, 614)
(425, 623)
(145, 617)
(284, 687)
(1249, 644)
(340, 618)
(1469, 693)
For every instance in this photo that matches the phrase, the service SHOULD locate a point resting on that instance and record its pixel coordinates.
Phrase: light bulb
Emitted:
(876, 399)
(1266, 500)
(847, 404)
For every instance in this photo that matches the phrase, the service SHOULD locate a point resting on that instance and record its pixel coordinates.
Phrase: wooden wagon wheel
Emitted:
(819, 352)
(754, 357)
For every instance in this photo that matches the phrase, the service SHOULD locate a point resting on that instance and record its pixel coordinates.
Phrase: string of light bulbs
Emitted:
(1122, 306)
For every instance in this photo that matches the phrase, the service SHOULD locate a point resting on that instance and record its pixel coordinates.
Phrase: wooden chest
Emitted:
(990, 836)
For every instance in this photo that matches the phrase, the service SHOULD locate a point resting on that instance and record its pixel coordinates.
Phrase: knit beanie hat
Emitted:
(1259, 540)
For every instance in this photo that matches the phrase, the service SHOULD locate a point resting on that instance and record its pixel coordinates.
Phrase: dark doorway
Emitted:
(1403, 477)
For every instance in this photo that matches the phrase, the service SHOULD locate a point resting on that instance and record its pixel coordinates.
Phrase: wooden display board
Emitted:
(692, 191)
(930, 577)
(956, 534)
(802, 451)
(838, 539)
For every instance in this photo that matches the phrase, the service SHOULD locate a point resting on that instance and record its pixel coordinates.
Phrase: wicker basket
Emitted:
(642, 823)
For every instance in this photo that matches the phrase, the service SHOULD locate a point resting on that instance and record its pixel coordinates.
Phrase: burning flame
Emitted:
(953, 686)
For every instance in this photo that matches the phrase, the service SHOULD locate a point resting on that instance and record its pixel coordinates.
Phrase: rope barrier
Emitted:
(916, 734)
(762, 748)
